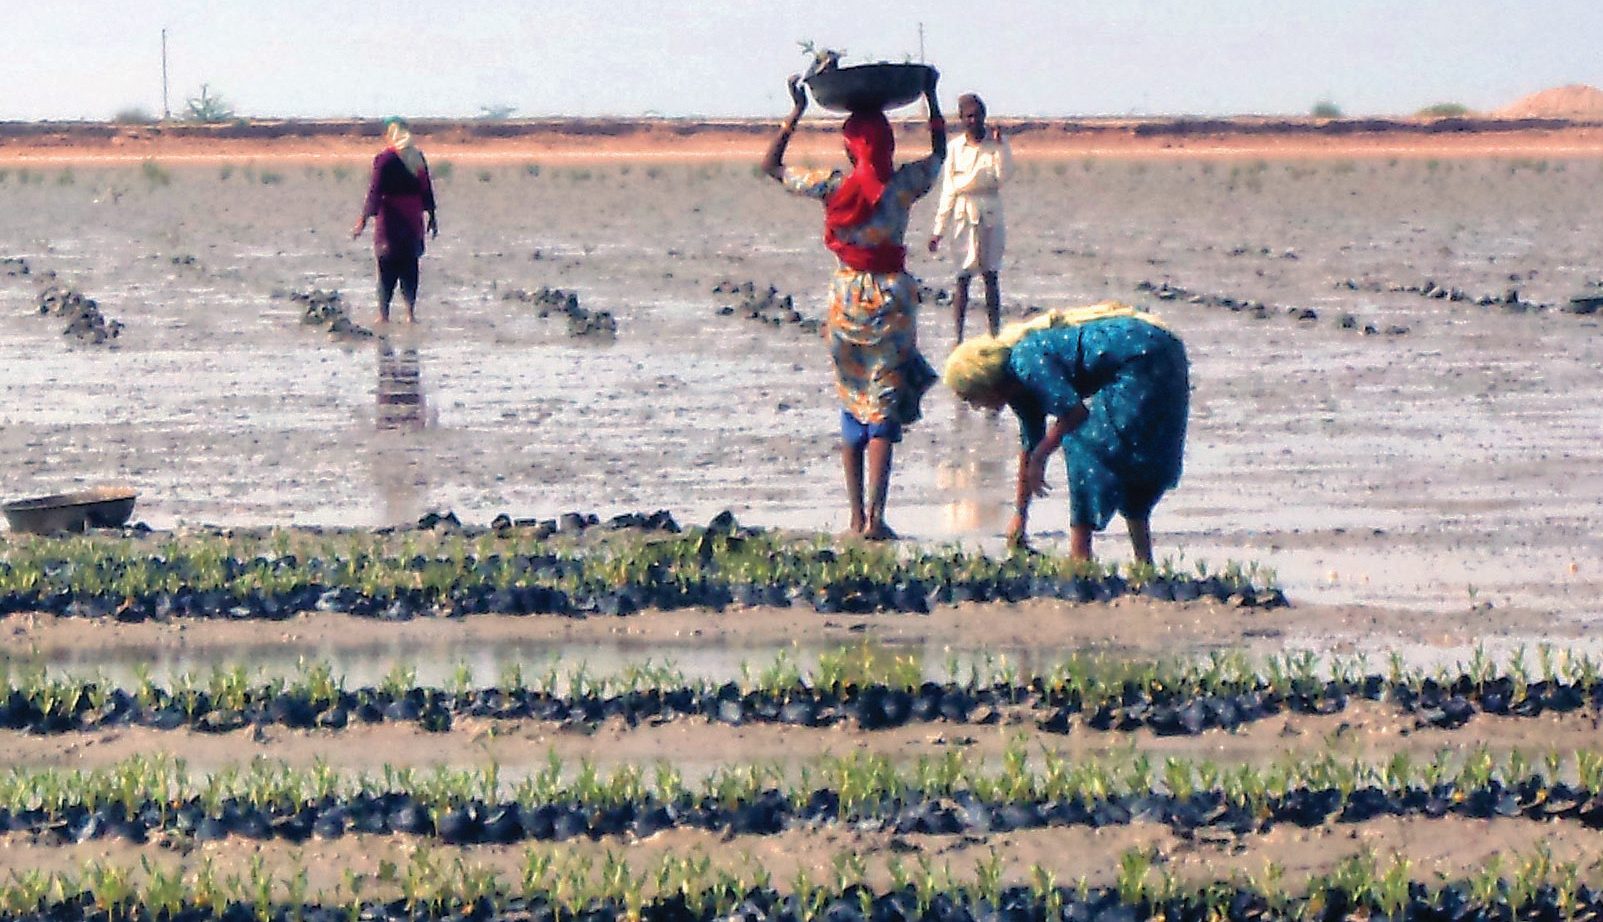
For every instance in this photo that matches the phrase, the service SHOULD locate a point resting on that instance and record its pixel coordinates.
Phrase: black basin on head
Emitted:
(869, 87)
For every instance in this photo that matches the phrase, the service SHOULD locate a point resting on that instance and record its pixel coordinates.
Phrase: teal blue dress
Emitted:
(1133, 378)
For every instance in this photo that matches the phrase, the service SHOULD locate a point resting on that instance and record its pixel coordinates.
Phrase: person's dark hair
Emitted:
(974, 98)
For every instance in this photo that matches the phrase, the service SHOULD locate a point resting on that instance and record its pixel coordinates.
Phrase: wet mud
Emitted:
(1443, 470)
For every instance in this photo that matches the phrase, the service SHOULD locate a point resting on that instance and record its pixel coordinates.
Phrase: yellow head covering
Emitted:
(979, 366)
(399, 137)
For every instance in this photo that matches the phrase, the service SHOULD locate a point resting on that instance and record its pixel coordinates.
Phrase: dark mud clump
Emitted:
(85, 322)
(327, 309)
(1164, 291)
(15, 267)
(1509, 302)
(766, 306)
(582, 322)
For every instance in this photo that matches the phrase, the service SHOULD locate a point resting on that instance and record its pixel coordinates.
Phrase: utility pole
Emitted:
(166, 112)
(921, 41)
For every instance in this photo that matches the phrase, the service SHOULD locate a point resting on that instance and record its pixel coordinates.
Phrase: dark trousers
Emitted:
(393, 270)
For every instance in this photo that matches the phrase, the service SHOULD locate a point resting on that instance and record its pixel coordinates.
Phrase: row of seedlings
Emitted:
(1164, 291)
(582, 322)
(949, 795)
(507, 572)
(328, 311)
(763, 305)
(552, 886)
(847, 686)
(1509, 302)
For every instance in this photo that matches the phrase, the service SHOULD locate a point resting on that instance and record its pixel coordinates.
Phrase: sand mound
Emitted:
(1577, 101)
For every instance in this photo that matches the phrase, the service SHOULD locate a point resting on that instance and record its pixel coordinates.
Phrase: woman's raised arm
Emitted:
(937, 123)
(774, 160)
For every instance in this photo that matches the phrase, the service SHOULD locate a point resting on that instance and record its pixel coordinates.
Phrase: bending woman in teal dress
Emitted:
(1116, 384)
(872, 326)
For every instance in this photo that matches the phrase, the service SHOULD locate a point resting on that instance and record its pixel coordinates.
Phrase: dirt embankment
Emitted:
(690, 139)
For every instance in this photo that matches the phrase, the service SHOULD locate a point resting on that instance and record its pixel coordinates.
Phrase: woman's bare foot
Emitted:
(879, 531)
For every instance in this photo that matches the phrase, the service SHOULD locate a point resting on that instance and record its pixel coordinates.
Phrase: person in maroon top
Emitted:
(398, 197)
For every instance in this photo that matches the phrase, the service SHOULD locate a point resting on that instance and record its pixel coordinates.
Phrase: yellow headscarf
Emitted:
(979, 365)
(399, 137)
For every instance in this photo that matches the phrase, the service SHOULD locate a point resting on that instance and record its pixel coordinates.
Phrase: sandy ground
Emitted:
(1367, 731)
(669, 142)
(1451, 847)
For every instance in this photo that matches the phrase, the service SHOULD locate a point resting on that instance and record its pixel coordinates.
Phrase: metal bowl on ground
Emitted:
(101, 507)
(869, 87)
(1585, 304)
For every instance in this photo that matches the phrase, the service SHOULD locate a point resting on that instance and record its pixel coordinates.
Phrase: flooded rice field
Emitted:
(1447, 460)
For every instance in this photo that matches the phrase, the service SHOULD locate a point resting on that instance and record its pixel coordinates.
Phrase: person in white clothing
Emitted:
(971, 206)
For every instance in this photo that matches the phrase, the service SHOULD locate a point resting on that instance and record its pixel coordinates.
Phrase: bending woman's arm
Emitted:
(774, 160)
(1032, 470)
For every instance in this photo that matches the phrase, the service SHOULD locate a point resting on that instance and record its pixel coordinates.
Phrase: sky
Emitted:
(70, 59)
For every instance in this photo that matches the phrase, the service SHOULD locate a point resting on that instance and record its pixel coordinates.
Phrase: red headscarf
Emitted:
(871, 143)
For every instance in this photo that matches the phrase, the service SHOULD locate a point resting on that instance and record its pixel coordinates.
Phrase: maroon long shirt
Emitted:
(398, 201)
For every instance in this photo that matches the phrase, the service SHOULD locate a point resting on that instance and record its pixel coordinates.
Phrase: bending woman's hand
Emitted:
(1017, 537)
(1035, 477)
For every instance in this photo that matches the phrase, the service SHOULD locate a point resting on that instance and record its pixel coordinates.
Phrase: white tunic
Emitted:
(971, 182)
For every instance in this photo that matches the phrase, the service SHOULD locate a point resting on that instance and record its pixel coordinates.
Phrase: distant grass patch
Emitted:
(342, 173)
(154, 173)
(442, 170)
(1324, 108)
(531, 170)
(65, 177)
(133, 116)
(225, 171)
(270, 178)
(485, 176)
(1444, 110)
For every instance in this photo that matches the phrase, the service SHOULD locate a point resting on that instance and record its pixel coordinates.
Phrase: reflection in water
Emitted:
(972, 479)
(400, 390)
(400, 465)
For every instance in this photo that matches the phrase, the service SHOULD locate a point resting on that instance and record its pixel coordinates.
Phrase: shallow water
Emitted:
(1453, 465)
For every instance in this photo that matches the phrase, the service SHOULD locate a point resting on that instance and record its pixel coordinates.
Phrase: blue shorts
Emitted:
(856, 434)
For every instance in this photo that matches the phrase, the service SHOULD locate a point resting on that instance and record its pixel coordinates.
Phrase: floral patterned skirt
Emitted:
(873, 337)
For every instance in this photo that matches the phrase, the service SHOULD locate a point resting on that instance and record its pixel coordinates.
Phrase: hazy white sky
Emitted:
(91, 58)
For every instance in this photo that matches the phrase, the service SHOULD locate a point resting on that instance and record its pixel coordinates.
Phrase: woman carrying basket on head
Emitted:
(1116, 384)
(872, 328)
